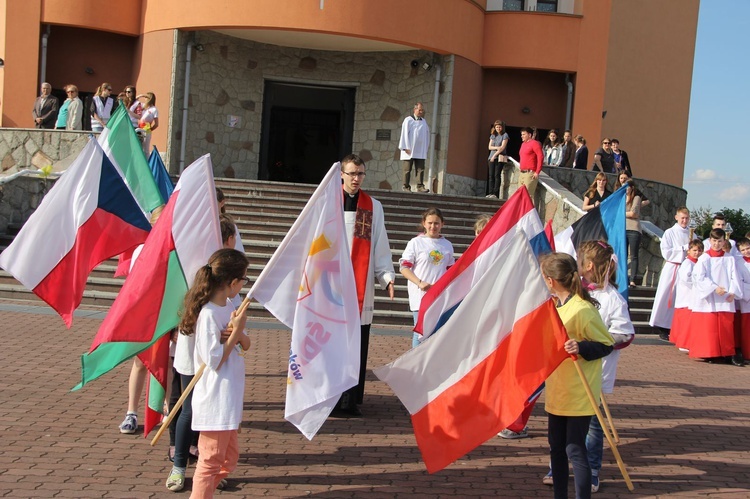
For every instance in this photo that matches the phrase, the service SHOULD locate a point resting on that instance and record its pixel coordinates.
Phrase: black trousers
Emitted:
(354, 396)
(567, 441)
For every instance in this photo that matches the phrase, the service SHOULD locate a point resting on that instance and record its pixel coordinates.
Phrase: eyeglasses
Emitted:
(605, 143)
(355, 174)
(246, 279)
(70, 91)
(108, 88)
(128, 91)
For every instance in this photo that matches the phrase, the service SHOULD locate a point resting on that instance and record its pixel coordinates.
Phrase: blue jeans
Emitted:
(595, 445)
(415, 337)
(634, 244)
(184, 434)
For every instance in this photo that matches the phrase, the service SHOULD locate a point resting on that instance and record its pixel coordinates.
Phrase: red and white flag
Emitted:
(309, 286)
(467, 383)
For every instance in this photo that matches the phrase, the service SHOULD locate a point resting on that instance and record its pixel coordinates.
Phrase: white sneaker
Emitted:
(510, 434)
(129, 424)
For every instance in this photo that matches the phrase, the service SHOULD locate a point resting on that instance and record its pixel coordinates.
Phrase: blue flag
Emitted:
(159, 171)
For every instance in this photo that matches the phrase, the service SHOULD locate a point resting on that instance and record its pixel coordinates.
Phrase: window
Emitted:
(546, 5)
(513, 5)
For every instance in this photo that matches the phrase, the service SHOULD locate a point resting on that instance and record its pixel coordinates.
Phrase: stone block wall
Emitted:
(228, 76)
(566, 187)
(24, 148)
(20, 197)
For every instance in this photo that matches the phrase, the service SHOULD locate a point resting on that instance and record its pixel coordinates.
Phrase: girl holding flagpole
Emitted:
(218, 395)
(567, 404)
(425, 259)
(597, 265)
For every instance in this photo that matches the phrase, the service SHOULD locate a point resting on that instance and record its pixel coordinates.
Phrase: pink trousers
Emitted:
(218, 452)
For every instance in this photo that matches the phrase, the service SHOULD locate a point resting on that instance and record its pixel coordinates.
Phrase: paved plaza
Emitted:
(684, 426)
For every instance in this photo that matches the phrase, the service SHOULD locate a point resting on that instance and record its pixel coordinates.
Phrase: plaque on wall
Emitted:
(382, 134)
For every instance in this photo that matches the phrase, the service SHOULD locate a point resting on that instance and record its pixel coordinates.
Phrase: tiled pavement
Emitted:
(684, 426)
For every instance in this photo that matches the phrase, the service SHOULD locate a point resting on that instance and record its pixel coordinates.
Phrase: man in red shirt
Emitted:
(531, 157)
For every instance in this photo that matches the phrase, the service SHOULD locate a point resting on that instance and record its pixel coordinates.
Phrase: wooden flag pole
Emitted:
(609, 420)
(599, 415)
(174, 410)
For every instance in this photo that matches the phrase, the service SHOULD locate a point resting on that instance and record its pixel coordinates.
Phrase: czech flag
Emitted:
(90, 215)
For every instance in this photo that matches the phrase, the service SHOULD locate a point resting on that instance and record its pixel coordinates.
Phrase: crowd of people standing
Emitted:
(95, 112)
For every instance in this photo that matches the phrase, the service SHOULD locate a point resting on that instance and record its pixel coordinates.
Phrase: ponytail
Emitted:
(222, 268)
(563, 268)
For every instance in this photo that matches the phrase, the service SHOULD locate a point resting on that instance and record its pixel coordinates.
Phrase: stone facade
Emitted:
(228, 76)
(20, 197)
(24, 148)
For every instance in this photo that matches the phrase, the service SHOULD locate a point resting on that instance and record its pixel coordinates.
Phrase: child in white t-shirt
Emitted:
(218, 395)
(425, 260)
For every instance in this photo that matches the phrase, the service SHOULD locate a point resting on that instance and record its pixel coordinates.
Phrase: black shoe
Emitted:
(353, 412)
(664, 336)
(737, 360)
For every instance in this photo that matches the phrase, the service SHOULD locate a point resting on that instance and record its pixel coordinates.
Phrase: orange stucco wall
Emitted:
(590, 77)
(152, 72)
(123, 16)
(443, 26)
(464, 127)
(531, 40)
(649, 78)
(21, 55)
(71, 50)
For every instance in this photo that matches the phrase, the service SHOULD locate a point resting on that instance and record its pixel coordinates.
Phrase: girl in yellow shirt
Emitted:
(568, 407)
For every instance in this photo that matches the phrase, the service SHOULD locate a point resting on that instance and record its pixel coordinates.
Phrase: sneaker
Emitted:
(664, 336)
(547, 480)
(406, 188)
(491, 196)
(129, 424)
(594, 484)
(684, 350)
(176, 482)
(222, 484)
(510, 434)
(422, 188)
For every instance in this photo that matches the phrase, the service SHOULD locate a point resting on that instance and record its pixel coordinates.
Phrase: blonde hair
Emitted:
(481, 223)
(600, 253)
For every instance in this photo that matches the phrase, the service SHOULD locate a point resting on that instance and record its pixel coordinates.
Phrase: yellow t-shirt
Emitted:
(564, 391)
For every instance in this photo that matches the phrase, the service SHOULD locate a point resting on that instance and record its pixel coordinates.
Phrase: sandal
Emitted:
(176, 482)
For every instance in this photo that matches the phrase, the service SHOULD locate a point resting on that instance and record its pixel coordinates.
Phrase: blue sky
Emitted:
(717, 153)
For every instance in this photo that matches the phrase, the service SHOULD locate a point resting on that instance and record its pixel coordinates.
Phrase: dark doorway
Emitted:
(306, 129)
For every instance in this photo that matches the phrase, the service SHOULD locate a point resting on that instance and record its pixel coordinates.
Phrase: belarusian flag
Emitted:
(183, 239)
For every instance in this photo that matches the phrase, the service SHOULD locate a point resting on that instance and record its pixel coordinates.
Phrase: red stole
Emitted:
(715, 254)
(361, 243)
(747, 259)
(694, 260)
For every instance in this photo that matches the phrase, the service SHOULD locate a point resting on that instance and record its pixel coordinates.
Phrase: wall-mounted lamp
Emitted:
(199, 47)
(426, 66)
(526, 110)
(2, 63)
(89, 70)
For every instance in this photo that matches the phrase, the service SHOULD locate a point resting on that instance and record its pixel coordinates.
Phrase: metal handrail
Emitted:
(551, 190)
(22, 173)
